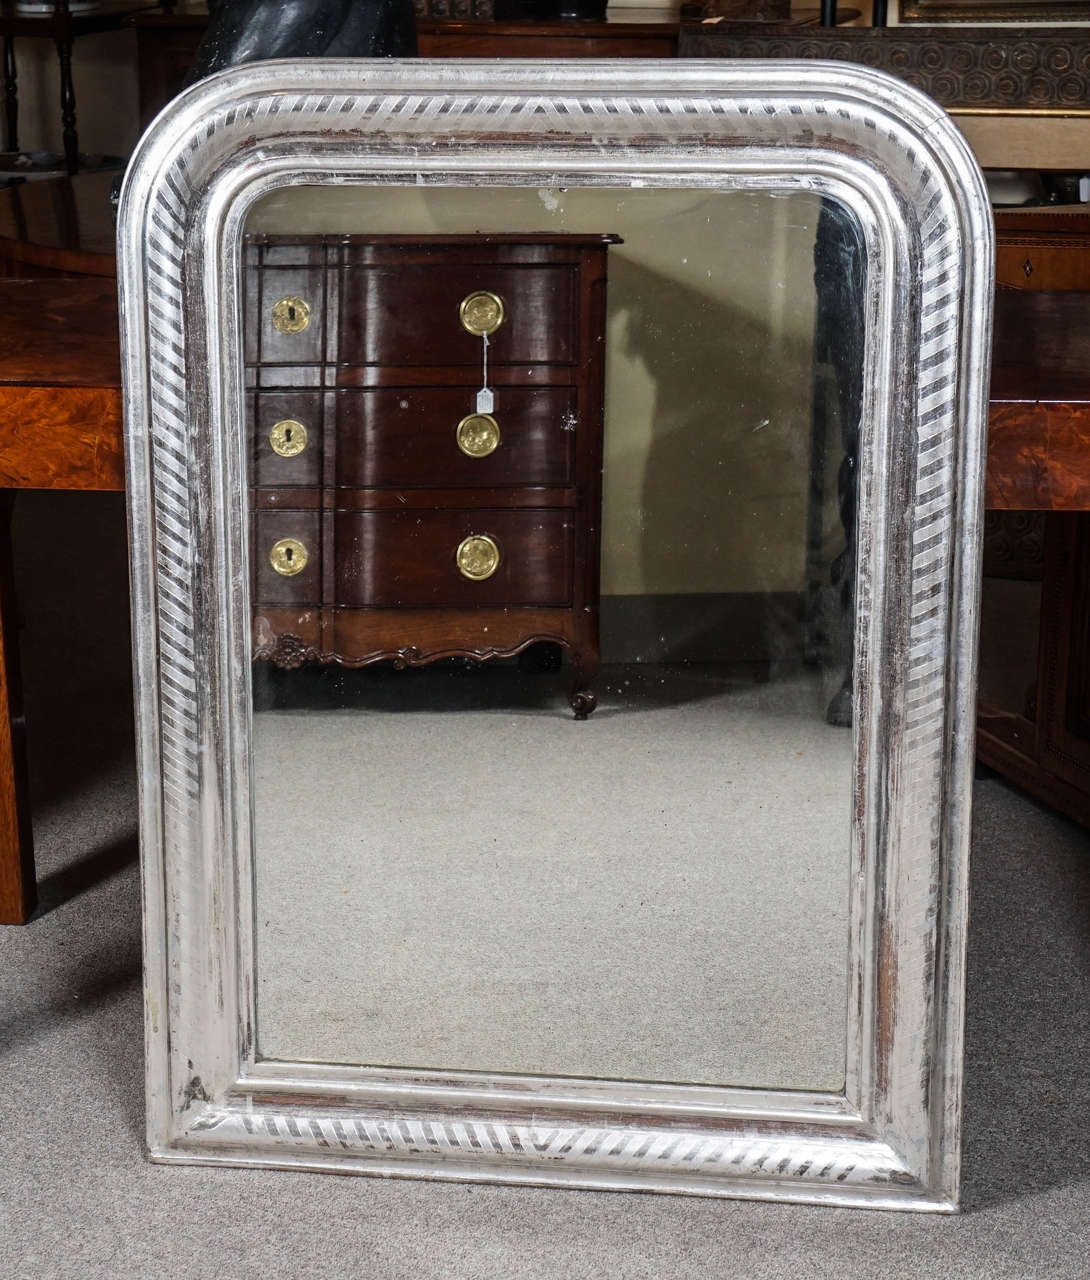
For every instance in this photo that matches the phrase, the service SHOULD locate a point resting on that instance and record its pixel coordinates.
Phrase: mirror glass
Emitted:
(620, 845)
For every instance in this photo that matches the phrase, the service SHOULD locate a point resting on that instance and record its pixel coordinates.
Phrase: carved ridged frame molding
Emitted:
(892, 1138)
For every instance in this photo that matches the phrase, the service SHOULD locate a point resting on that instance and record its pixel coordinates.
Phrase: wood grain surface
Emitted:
(68, 438)
(1038, 456)
(59, 333)
(405, 559)
(403, 437)
(60, 428)
(408, 314)
(358, 637)
(1039, 415)
(60, 399)
(60, 385)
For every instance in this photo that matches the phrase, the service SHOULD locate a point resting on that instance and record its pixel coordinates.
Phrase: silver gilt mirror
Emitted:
(555, 500)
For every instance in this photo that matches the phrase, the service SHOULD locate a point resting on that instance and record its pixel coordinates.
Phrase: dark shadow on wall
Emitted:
(727, 475)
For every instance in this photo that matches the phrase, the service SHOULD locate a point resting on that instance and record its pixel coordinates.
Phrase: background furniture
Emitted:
(392, 515)
(1034, 710)
(60, 424)
(62, 26)
(60, 427)
(167, 41)
(971, 69)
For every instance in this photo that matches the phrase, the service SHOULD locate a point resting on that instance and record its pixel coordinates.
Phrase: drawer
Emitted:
(409, 314)
(286, 431)
(388, 559)
(287, 315)
(400, 437)
(284, 532)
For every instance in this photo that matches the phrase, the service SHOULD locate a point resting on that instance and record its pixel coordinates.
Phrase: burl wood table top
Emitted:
(60, 385)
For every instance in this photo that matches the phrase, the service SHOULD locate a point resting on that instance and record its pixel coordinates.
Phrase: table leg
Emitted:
(18, 888)
(68, 106)
(11, 96)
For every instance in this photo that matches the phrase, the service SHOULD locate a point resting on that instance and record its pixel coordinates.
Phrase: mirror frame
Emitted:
(891, 1139)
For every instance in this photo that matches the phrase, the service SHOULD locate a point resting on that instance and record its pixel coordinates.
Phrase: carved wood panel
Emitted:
(1039, 67)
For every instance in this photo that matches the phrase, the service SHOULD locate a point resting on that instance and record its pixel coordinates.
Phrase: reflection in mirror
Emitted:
(632, 499)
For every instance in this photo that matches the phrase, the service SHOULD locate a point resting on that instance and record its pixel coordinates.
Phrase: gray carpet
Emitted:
(78, 1199)
(458, 874)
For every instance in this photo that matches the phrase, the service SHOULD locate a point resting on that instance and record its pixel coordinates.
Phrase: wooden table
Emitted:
(60, 419)
(60, 424)
(60, 428)
(1033, 711)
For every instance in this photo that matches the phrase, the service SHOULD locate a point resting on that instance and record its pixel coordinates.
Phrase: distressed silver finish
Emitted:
(892, 1139)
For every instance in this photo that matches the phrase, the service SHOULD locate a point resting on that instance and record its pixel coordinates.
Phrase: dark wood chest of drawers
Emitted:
(392, 515)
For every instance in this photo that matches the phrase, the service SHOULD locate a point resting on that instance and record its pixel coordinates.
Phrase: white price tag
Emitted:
(486, 401)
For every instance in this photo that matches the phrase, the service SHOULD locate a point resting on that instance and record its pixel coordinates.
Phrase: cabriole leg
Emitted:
(584, 670)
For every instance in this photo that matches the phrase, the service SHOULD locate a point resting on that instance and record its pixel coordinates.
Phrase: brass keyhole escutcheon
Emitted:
(288, 557)
(478, 435)
(291, 315)
(477, 557)
(288, 438)
(481, 312)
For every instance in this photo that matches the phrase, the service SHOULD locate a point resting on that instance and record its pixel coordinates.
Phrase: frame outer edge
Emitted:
(178, 135)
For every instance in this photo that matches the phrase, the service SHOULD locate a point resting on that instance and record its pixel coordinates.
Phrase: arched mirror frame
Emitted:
(892, 1138)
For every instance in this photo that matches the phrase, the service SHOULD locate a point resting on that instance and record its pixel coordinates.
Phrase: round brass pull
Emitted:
(288, 557)
(481, 312)
(477, 557)
(288, 438)
(478, 435)
(291, 315)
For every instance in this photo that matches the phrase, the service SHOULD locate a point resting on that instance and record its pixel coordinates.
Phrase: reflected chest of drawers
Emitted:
(396, 512)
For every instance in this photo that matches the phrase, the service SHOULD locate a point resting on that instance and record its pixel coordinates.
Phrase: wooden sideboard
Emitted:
(1034, 710)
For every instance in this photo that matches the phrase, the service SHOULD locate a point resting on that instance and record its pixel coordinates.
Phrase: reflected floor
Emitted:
(452, 872)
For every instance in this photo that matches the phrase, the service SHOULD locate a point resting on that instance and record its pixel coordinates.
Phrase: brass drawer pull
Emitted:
(477, 557)
(291, 315)
(288, 438)
(481, 312)
(478, 435)
(288, 557)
